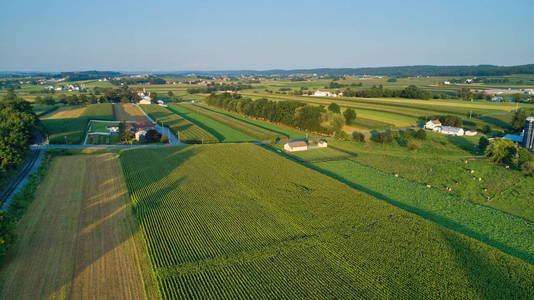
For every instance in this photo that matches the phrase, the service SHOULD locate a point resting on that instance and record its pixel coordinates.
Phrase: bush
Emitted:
(420, 134)
(358, 137)
(7, 233)
(152, 136)
(486, 129)
(528, 168)
(483, 143)
(350, 115)
(413, 146)
(164, 139)
(384, 137)
(341, 136)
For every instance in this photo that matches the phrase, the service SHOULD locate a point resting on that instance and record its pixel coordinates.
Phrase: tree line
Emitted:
(99, 95)
(410, 92)
(296, 114)
(214, 87)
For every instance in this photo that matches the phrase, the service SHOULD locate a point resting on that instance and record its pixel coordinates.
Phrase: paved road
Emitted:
(20, 179)
(173, 140)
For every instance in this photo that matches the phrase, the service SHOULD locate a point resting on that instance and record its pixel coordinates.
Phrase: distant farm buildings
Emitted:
(449, 130)
(506, 92)
(326, 94)
(435, 125)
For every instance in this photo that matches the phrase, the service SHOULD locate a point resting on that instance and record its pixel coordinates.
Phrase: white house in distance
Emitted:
(296, 146)
(433, 125)
(326, 94)
(451, 130)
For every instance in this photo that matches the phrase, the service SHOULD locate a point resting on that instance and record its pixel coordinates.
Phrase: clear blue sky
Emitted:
(169, 35)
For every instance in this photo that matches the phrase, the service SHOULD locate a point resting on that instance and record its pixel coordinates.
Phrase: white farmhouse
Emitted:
(451, 130)
(322, 144)
(296, 146)
(326, 94)
(145, 101)
(433, 125)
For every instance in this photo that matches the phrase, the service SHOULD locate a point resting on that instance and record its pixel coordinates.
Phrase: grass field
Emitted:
(283, 130)
(182, 128)
(68, 124)
(237, 221)
(128, 112)
(78, 239)
(221, 131)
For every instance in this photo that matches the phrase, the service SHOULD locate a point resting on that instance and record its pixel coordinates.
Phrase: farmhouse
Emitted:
(296, 146)
(451, 130)
(326, 94)
(139, 126)
(433, 125)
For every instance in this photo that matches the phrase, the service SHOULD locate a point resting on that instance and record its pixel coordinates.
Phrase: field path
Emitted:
(78, 239)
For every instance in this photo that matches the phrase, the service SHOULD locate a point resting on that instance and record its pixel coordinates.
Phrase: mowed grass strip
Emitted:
(255, 132)
(237, 221)
(186, 131)
(223, 132)
(78, 239)
(289, 133)
(128, 112)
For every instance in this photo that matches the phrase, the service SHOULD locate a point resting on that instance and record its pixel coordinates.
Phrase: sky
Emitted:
(138, 35)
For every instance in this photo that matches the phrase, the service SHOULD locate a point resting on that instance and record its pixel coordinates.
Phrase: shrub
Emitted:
(528, 168)
(7, 233)
(333, 107)
(420, 134)
(483, 143)
(341, 136)
(413, 146)
(152, 136)
(358, 137)
(486, 129)
(350, 115)
(384, 137)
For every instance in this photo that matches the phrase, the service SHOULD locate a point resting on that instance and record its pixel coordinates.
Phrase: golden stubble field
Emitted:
(78, 239)
(128, 112)
(66, 112)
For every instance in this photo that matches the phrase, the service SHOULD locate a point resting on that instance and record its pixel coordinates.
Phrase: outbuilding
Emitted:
(433, 125)
(452, 130)
(296, 146)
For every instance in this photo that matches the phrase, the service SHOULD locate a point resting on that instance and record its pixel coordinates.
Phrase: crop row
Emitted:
(217, 219)
(182, 128)
(509, 233)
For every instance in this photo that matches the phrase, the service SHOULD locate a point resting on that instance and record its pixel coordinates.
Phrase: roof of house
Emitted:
(530, 119)
(435, 122)
(450, 129)
(513, 137)
(297, 144)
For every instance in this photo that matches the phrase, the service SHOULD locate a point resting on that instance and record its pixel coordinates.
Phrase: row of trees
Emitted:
(213, 87)
(410, 92)
(100, 95)
(292, 113)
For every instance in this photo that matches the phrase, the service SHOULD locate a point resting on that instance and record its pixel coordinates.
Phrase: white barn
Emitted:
(296, 146)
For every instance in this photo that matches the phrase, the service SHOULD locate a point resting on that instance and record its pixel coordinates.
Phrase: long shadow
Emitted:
(488, 280)
(244, 120)
(524, 255)
(195, 121)
(103, 210)
(463, 144)
(495, 121)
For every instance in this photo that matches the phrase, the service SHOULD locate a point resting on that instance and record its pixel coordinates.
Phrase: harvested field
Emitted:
(78, 239)
(128, 112)
(65, 112)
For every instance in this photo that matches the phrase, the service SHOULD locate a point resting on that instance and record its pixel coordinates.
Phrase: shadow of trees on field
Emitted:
(524, 255)
(463, 144)
(104, 209)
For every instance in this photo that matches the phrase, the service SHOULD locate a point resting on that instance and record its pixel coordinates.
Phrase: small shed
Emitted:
(296, 146)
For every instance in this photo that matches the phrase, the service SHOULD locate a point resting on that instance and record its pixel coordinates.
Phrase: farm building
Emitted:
(470, 132)
(514, 137)
(528, 134)
(113, 129)
(296, 146)
(322, 144)
(139, 135)
(326, 94)
(433, 125)
(142, 126)
(145, 101)
(451, 130)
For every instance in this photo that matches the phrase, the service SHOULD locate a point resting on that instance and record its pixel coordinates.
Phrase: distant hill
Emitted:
(422, 70)
(87, 75)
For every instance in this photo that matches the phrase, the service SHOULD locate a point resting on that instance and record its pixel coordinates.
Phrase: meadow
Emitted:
(186, 131)
(68, 124)
(274, 228)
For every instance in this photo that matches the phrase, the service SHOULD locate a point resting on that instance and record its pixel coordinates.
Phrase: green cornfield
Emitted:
(187, 131)
(236, 221)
